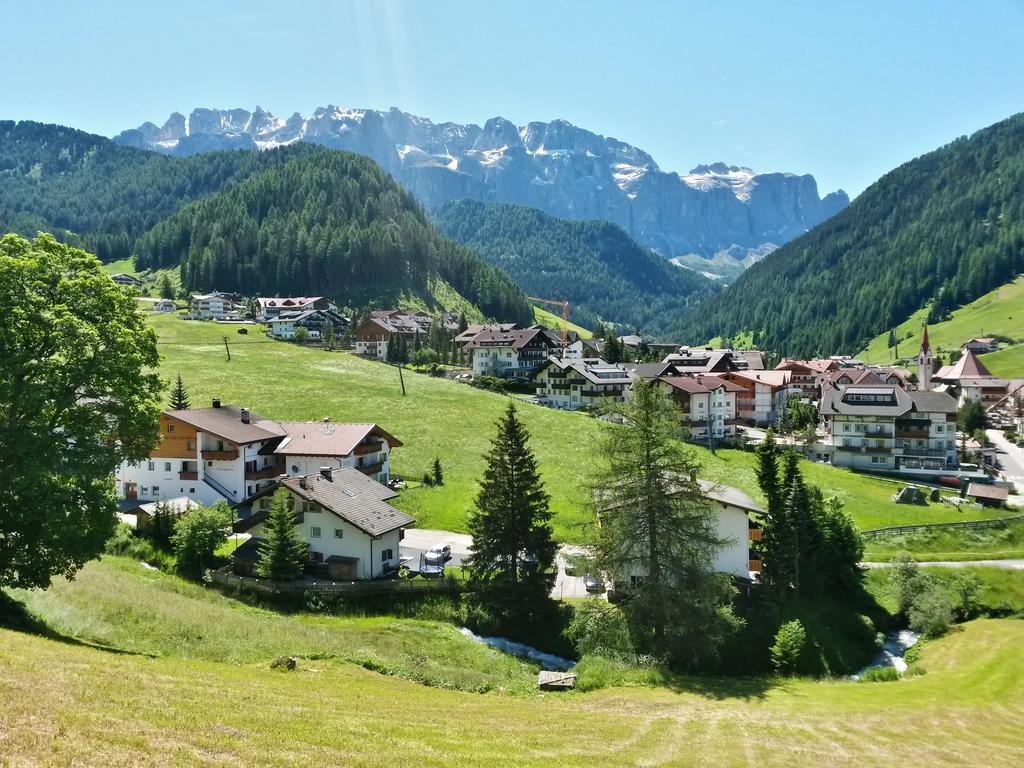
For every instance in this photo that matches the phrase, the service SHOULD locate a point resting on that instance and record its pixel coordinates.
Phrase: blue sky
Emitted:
(845, 91)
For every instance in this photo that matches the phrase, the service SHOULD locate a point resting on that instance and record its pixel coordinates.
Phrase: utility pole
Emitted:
(226, 348)
(400, 379)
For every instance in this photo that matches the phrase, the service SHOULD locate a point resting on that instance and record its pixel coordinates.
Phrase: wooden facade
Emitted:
(177, 439)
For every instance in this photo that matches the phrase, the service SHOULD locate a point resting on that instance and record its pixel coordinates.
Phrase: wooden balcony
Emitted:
(188, 475)
(227, 455)
(371, 469)
(364, 449)
(271, 470)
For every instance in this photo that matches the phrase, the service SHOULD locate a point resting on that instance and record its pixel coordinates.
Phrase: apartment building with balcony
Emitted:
(707, 404)
(571, 384)
(886, 428)
(762, 395)
(513, 353)
(229, 453)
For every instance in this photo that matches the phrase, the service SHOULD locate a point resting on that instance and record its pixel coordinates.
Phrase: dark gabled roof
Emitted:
(649, 370)
(248, 551)
(226, 422)
(835, 402)
(700, 384)
(932, 402)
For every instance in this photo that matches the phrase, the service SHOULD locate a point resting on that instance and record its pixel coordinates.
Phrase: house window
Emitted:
(170, 427)
(636, 581)
(167, 466)
(386, 555)
(314, 532)
(316, 557)
(191, 445)
(191, 490)
(150, 466)
(144, 490)
(209, 463)
(846, 427)
(339, 533)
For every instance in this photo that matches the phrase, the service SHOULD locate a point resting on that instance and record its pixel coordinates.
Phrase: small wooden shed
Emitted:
(989, 495)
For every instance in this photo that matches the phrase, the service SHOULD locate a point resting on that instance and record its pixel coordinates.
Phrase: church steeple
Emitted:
(924, 362)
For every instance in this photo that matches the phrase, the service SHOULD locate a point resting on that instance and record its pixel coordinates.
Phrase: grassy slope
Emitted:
(119, 604)
(455, 422)
(65, 703)
(551, 320)
(1000, 312)
(1007, 363)
(951, 544)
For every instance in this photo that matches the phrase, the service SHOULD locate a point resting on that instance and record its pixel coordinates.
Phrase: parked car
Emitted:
(439, 554)
(593, 584)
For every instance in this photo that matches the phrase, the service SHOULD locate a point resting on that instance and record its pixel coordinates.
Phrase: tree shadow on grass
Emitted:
(722, 688)
(16, 617)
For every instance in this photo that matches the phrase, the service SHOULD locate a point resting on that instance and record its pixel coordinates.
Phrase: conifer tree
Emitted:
(179, 397)
(438, 473)
(166, 288)
(513, 546)
(282, 554)
(767, 472)
(658, 526)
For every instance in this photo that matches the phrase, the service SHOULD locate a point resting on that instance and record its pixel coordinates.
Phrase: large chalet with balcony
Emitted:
(571, 384)
(229, 453)
(707, 404)
(511, 353)
(880, 426)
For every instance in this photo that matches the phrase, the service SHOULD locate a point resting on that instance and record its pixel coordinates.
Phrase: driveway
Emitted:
(419, 540)
(1010, 458)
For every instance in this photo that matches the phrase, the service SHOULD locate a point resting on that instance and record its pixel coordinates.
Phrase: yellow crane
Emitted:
(565, 316)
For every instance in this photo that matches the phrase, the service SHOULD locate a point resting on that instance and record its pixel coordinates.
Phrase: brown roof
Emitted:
(325, 438)
(774, 379)
(516, 338)
(983, 491)
(819, 366)
(968, 366)
(700, 384)
(226, 422)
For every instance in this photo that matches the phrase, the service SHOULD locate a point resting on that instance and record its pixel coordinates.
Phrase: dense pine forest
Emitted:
(945, 228)
(595, 265)
(298, 220)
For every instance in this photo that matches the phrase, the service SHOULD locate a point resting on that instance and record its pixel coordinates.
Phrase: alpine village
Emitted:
(356, 437)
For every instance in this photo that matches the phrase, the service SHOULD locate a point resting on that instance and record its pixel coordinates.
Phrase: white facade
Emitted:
(211, 306)
(733, 527)
(375, 348)
(328, 536)
(308, 465)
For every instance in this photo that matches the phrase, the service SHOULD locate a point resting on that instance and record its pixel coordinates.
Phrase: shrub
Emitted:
(963, 589)
(789, 645)
(904, 581)
(880, 675)
(126, 543)
(598, 628)
(197, 534)
(931, 610)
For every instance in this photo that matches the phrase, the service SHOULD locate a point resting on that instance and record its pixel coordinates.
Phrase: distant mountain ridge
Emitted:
(939, 231)
(559, 168)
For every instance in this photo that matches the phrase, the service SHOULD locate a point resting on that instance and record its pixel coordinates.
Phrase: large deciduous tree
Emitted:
(79, 393)
(513, 547)
(658, 534)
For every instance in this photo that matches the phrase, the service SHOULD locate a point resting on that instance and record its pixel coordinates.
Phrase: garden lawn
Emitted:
(1007, 363)
(455, 422)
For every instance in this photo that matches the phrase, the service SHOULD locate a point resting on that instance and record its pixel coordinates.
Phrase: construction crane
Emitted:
(565, 317)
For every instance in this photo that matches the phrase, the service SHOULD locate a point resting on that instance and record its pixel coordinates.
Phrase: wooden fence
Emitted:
(417, 586)
(995, 523)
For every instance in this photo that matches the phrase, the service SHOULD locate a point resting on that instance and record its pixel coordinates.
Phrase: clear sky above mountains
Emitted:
(843, 91)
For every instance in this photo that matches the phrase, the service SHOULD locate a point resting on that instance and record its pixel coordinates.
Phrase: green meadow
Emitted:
(455, 422)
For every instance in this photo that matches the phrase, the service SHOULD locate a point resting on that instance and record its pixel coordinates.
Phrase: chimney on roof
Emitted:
(216, 402)
(245, 416)
(325, 472)
(302, 482)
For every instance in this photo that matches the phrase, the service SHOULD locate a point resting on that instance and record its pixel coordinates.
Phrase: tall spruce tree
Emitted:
(513, 546)
(438, 472)
(282, 554)
(179, 397)
(767, 472)
(658, 534)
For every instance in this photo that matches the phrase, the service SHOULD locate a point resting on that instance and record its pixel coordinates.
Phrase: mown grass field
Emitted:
(63, 702)
(455, 422)
(997, 313)
(1007, 363)
(551, 320)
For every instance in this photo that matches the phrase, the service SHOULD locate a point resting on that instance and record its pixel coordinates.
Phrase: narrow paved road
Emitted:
(1010, 458)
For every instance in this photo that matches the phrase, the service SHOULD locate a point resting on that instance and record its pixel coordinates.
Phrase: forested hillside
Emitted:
(100, 196)
(325, 222)
(595, 265)
(300, 219)
(947, 226)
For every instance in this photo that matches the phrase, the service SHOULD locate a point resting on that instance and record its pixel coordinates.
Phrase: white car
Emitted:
(438, 555)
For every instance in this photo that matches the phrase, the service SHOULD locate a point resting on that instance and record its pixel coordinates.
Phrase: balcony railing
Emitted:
(229, 454)
(271, 470)
(371, 469)
(366, 448)
(188, 475)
